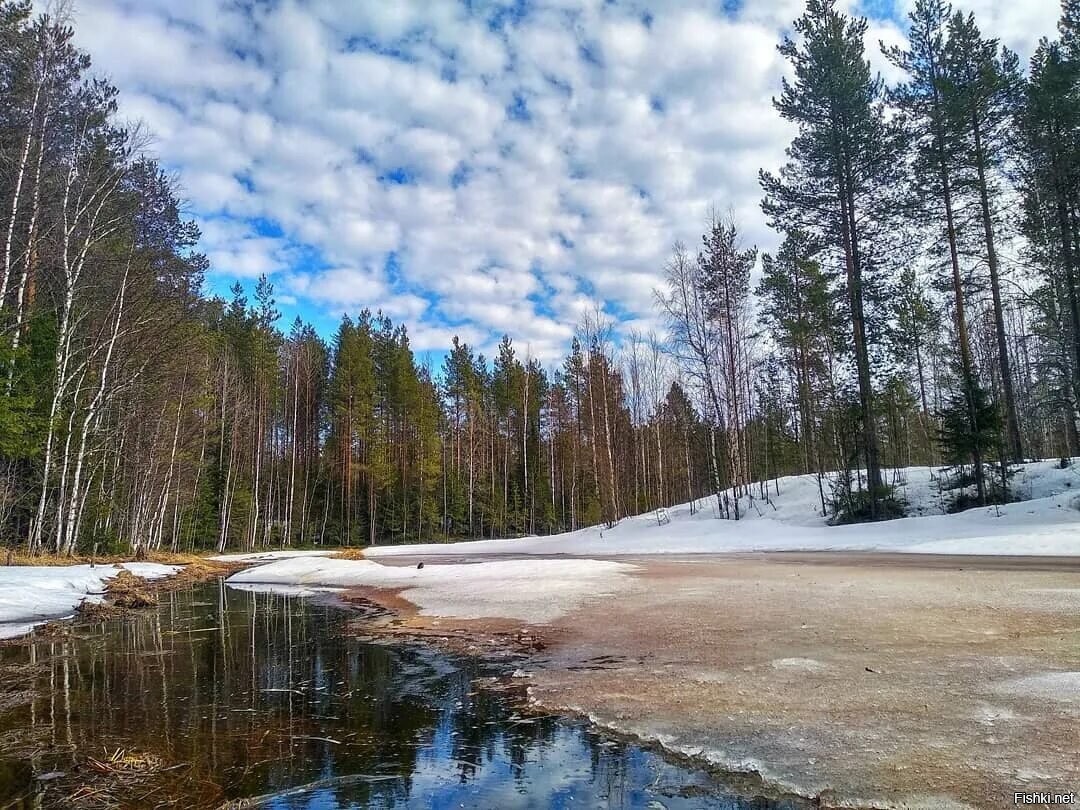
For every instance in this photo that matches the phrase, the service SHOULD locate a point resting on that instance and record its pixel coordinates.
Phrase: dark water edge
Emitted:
(222, 695)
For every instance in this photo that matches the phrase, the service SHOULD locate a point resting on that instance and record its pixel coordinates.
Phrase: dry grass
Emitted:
(123, 592)
(124, 761)
(121, 778)
(90, 611)
(349, 554)
(14, 679)
(20, 557)
(126, 590)
(12, 557)
(201, 562)
(195, 569)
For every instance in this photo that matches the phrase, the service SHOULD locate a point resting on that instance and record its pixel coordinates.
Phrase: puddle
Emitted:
(222, 695)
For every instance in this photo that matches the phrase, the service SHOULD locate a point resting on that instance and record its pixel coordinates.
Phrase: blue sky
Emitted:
(470, 167)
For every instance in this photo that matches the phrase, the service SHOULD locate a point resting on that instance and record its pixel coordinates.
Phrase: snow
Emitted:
(1047, 522)
(267, 556)
(30, 595)
(540, 590)
(1058, 686)
(804, 664)
(536, 591)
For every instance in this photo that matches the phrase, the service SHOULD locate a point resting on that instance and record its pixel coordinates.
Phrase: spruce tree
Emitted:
(961, 441)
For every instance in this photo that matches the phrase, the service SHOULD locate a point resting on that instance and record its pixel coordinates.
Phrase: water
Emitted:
(221, 695)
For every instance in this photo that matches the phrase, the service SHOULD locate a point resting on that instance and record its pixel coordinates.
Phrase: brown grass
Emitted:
(123, 592)
(20, 557)
(196, 570)
(126, 590)
(124, 761)
(120, 778)
(90, 611)
(349, 554)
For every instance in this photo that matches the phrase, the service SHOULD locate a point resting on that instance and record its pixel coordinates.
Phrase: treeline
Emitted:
(921, 309)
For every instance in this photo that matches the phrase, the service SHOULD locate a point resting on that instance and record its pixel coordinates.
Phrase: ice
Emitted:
(266, 556)
(1058, 686)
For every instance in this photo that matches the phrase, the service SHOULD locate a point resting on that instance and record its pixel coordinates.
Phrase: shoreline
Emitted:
(841, 557)
(492, 673)
(121, 594)
(507, 642)
(786, 668)
(504, 643)
(796, 660)
(199, 568)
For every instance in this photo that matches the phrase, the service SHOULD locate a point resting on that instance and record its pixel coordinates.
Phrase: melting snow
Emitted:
(532, 590)
(268, 556)
(1046, 523)
(30, 595)
(1060, 686)
(804, 664)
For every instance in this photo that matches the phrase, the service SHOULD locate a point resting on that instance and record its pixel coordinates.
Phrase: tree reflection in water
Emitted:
(235, 694)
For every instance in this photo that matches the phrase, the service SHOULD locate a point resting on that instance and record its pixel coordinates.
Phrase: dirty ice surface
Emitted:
(269, 556)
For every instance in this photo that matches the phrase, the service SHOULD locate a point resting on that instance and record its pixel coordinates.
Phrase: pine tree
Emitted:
(938, 142)
(982, 96)
(1049, 123)
(840, 173)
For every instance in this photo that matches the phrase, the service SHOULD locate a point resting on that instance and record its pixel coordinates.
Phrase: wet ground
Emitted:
(883, 681)
(861, 679)
(230, 698)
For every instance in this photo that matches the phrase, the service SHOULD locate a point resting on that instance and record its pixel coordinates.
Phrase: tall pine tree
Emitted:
(840, 175)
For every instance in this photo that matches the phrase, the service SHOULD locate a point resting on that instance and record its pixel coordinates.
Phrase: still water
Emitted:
(223, 695)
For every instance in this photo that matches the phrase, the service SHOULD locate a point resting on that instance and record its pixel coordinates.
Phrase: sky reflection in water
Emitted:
(262, 694)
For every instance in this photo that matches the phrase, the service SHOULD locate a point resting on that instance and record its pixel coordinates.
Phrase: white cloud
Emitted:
(467, 178)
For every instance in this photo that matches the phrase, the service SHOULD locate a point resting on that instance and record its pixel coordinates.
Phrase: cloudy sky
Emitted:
(471, 167)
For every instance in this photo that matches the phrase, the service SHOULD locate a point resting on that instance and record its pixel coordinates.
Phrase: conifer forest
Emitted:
(922, 308)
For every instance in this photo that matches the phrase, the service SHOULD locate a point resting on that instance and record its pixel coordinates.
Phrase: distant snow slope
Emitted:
(1047, 522)
(270, 556)
(30, 595)
(540, 590)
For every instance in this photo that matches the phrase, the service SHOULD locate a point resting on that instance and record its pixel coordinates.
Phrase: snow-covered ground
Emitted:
(1046, 522)
(540, 590)
(270, 556)
(530, 590)
(30, 595)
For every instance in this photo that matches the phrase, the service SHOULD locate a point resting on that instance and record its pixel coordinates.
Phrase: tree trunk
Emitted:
(1014, 442)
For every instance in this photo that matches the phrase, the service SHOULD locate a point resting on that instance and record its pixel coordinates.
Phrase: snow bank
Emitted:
(30, 595)
(1047, 522)
(268, 556)
(530, 590)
